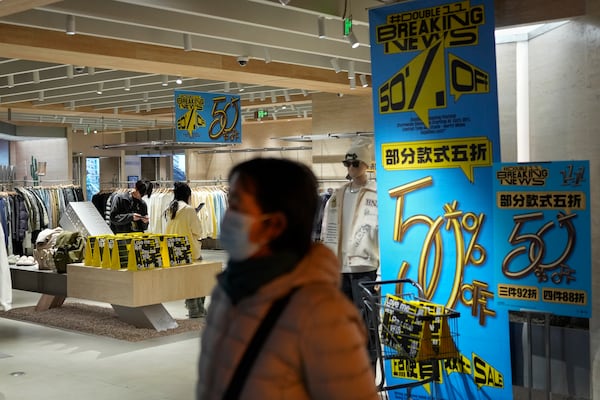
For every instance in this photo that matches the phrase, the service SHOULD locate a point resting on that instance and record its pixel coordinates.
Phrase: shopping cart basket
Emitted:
(405, 326)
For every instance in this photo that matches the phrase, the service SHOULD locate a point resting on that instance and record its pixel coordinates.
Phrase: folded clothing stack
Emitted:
(21, 260)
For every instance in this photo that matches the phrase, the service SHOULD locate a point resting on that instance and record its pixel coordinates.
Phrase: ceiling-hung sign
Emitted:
(207, 117)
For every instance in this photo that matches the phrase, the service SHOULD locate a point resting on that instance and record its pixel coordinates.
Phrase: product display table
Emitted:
(137, 296)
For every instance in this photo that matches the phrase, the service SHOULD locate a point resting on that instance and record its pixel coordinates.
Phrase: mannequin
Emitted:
(350, 226)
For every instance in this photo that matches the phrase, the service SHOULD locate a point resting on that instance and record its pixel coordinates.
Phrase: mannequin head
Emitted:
(358, 158)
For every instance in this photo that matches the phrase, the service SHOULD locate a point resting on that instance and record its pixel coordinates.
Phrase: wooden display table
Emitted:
(137, 296)
(53, 286)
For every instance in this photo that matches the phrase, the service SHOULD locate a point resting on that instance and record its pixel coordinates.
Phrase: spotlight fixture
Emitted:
(127, 86)
(187, 42)
(240, 88)
(321, 26)
(335, 63)
(145, 97)
(70, 25)
(284, 2)
(263, 96)
(353, 40)
(273, 97)
(70, 71)
(148, 107)
(165, 80)
(351, 73)
(352, 83)
(267, 55)
(179, 81)
(100, 88)
(251, 97)
(72, 105)
(363, 80)
(36, 76)
(91, 71)
(286, 95)
(10, 81)
(226, 87)
(304, 92)
(41, 95)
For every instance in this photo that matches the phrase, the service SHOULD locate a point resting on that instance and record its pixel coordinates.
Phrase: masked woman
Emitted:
(316, 348)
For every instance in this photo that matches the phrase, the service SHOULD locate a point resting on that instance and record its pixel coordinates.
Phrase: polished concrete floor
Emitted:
(38, 362)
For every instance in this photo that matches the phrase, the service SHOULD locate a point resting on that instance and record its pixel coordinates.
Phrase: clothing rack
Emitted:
(40, 182)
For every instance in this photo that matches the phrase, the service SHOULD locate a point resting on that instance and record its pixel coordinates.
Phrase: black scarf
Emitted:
(243, 278)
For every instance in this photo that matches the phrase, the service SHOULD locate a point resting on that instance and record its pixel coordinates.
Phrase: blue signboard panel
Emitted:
(207, 117)
(437, 137)
(543, 247)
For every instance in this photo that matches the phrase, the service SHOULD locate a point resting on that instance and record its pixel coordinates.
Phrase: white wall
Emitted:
(565, 124)
(55, 152)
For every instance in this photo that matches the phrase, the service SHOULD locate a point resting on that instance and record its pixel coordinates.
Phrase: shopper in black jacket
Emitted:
(129, 213)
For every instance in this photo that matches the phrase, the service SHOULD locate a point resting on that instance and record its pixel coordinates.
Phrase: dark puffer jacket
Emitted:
(317, 349)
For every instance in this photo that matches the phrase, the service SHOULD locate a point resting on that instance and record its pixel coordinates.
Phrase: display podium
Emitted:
(137, 296)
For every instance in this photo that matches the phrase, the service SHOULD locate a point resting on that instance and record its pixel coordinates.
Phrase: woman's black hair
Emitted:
(181, 191)
(285, 186)
(144, 188)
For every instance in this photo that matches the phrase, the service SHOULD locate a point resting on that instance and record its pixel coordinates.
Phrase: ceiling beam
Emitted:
(8, 7)
(51, 46)
(519, 12)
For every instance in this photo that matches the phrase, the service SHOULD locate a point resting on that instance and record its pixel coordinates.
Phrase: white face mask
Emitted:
(235, 229)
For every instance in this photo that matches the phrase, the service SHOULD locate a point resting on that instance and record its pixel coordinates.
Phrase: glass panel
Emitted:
(179, 167)
(92, 181)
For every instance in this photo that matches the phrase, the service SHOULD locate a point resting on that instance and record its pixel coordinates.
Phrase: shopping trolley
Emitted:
(406, 329)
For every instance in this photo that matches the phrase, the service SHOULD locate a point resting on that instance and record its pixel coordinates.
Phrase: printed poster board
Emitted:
(543, 236)
(436, 136)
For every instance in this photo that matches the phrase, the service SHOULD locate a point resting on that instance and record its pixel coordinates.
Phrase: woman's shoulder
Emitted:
(324, 301)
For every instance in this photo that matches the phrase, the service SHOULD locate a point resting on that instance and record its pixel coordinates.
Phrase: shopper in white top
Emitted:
(183, 220)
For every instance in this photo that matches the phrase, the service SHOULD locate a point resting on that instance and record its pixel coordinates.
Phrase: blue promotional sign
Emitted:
(207, 117)
(543, 232)
(437, 137)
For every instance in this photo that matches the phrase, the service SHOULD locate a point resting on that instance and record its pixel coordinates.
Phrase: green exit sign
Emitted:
(347, 26)
(260, 114)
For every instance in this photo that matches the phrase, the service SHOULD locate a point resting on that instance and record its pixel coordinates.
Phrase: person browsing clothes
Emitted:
(129, 212)
(182, 219)
(316, 348)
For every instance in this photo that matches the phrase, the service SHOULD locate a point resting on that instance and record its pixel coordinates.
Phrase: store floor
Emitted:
(38, 362)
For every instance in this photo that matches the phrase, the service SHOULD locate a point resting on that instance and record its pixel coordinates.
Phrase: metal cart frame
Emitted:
(396, 323)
